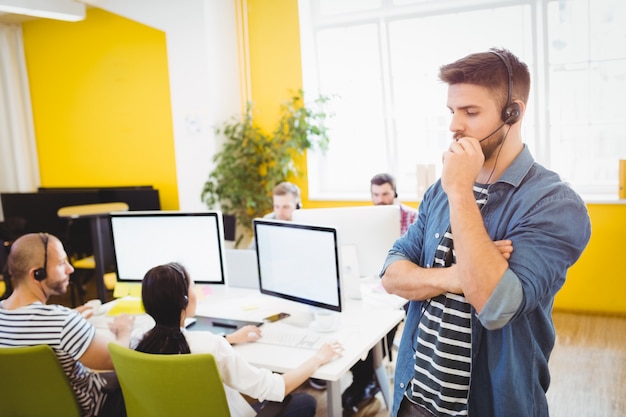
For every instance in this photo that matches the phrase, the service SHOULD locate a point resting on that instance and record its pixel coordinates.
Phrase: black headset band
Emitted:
(511, 110)
(42, 273)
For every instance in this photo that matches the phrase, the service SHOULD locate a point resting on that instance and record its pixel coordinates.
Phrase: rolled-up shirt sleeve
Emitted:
(503, 303)
(392, 257)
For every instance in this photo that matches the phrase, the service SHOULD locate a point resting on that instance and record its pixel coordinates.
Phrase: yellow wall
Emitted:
(597, 282)
(101, 103)
(275, 65)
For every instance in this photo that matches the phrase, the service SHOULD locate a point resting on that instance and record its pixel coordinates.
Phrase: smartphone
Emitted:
(276, 317)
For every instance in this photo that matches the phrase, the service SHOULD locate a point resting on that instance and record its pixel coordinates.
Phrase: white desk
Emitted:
(362, 326)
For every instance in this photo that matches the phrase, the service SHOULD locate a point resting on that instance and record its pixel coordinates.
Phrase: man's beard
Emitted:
(492, 145)
(58, 288)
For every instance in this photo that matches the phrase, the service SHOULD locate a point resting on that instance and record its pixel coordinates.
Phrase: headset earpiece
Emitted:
(41, 273)
(511, 113)
(512, 110)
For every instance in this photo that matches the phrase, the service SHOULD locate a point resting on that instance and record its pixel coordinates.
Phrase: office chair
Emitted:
(173, 385)
(33, 384)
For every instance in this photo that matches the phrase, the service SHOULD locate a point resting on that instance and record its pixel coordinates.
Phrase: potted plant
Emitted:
(252, 162)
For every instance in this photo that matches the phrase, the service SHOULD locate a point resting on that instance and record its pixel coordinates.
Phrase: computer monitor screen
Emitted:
(371, 229)
(144, 239)
(298, 262)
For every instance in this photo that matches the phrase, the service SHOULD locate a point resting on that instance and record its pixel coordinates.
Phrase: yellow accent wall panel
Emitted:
(597, 282)
(101, 103)
(275, 64)
(274, 43)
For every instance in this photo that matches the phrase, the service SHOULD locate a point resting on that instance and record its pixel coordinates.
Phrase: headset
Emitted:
(177, 268)
(41, 273)
(511, 111)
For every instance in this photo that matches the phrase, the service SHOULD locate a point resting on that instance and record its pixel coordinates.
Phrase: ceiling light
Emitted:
(68, 10)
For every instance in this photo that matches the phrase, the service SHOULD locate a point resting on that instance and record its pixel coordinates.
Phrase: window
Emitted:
(379, 59)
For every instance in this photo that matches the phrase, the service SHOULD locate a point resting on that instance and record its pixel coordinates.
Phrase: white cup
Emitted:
(325, 319)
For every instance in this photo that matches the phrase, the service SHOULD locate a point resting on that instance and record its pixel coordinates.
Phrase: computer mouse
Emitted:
(253, 335)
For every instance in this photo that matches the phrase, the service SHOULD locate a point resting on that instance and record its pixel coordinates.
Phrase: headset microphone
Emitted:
(493, 133)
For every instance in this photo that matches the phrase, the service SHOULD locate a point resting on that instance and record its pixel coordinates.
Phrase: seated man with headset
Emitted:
(39, 268)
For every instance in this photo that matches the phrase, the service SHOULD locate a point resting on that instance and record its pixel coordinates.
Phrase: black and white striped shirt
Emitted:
(443, 356)
(68, 334)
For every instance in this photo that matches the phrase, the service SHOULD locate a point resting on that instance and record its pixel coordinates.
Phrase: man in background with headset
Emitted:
(384, 193)
(39, 268)
(285, 199)
(479, 329)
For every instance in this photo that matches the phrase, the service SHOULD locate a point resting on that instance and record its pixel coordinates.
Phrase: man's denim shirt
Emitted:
(513, 336)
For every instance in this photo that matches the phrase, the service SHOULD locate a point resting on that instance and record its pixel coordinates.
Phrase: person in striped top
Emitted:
(481, 265)
(39, 268)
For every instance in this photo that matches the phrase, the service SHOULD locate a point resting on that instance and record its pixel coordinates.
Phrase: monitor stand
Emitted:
(350, 272)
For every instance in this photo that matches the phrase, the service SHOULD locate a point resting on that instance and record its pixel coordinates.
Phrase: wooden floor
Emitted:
(588, 367)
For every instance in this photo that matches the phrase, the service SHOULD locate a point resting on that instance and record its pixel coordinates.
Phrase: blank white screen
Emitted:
(372, 229)
(142, 241)
(299, 262)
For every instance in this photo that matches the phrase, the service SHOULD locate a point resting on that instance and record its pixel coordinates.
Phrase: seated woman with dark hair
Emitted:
(168, 296)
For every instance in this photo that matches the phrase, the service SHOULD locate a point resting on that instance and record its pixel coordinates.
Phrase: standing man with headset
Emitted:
(39, 267)
(479, 329)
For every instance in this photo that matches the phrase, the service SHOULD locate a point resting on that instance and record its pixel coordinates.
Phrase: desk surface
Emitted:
(362, 324)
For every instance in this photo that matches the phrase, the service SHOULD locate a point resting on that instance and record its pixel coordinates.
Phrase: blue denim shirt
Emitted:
(514, 334)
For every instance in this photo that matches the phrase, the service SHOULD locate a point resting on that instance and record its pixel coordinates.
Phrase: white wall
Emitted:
(201, 37)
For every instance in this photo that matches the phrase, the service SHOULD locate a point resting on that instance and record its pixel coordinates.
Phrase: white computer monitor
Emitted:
(299, 262)
(371, 229)
(144, 239)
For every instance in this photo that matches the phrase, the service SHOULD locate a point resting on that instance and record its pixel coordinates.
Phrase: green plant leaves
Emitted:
(252, 162)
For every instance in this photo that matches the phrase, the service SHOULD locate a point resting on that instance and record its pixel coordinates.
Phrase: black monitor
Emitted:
(299, 262)
(145, 239)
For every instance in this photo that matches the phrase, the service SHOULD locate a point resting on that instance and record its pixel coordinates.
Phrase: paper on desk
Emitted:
(127, 306)
(122, 289)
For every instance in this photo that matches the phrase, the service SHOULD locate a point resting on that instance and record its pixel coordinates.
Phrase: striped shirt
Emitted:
(68, 334)
(443, 356)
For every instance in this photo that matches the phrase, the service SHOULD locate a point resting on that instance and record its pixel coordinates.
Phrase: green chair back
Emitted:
(169, 385)
(33, 384)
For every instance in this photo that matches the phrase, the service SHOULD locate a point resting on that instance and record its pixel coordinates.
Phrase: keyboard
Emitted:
(297, 340)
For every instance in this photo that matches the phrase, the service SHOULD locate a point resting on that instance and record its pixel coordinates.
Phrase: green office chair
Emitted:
(169, 385)
(174, 385)
(33, 384)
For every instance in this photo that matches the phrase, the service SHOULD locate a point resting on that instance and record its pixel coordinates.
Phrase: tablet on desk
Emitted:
(219, 325)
